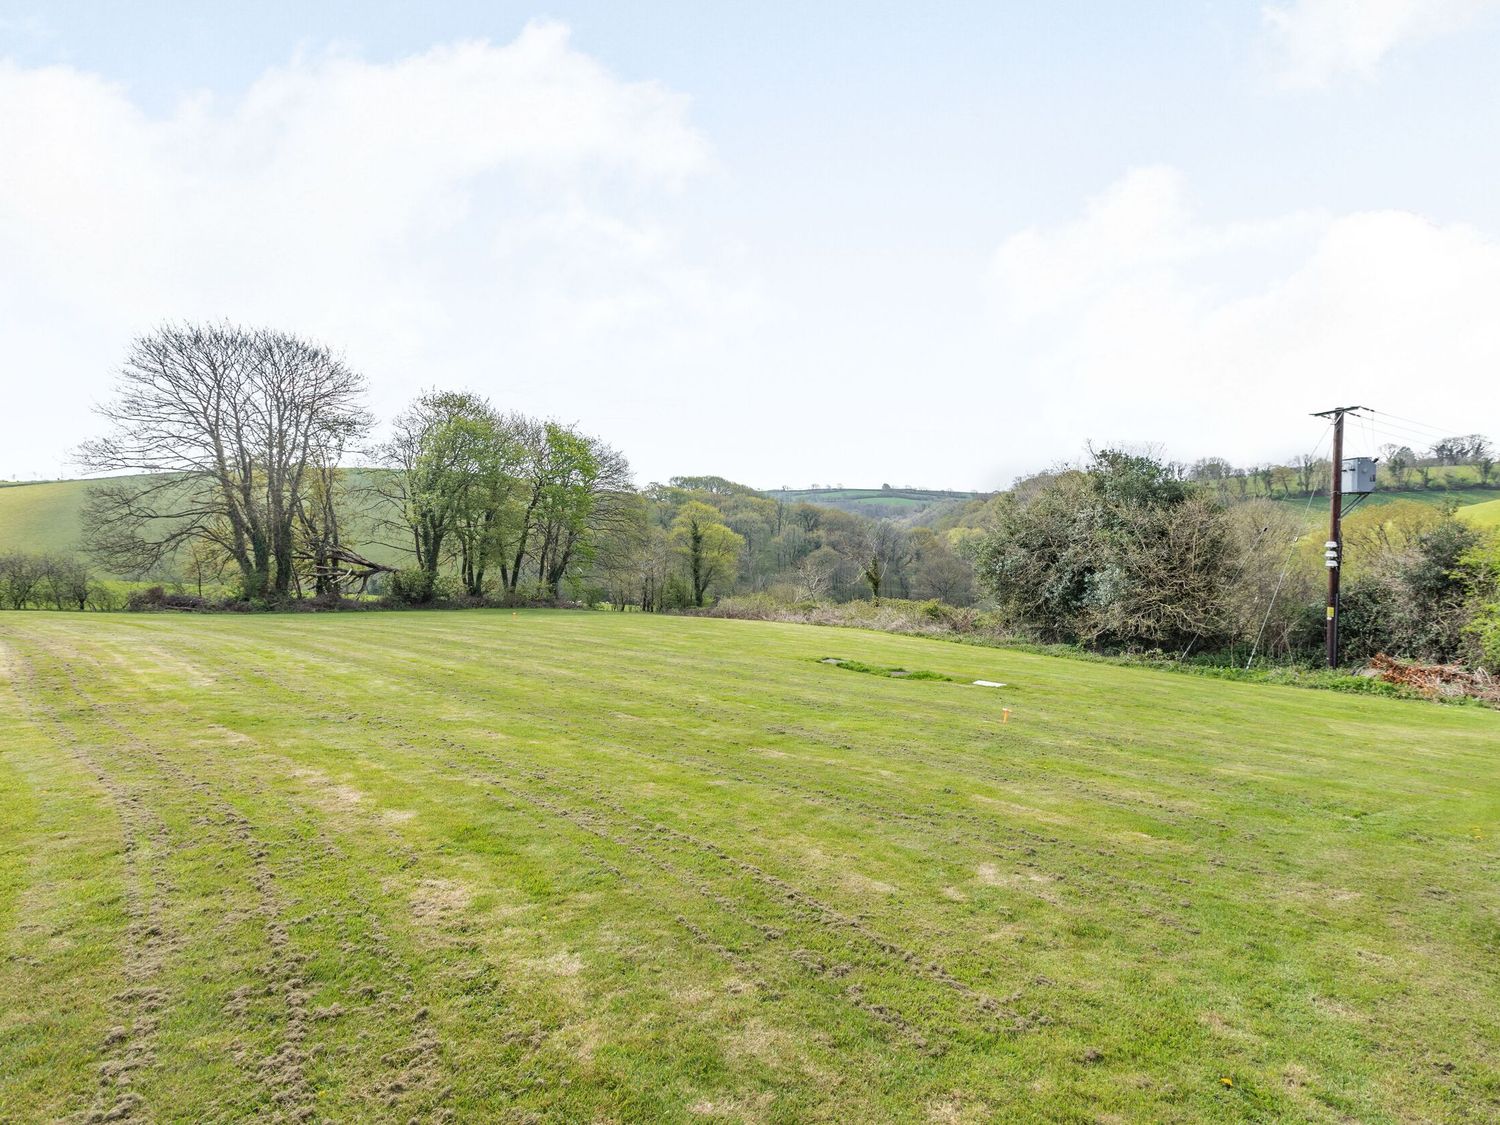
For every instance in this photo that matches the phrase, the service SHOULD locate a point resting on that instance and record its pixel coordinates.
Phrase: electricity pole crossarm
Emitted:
(1333, 549)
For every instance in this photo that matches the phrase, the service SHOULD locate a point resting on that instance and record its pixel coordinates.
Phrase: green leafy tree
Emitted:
(707, 548)
(454, 464)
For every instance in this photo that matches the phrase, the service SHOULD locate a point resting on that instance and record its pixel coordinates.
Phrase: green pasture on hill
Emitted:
(45, 518)
(590, 867)
(1483, 515)
(42, 518)
(892, 503)
(1463, 499)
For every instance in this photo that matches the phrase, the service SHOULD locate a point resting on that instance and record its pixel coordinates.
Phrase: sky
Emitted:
(931, 245)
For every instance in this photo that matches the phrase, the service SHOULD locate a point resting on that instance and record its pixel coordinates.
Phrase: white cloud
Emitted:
(1316, 41)
(502, 217)
(1141, 320)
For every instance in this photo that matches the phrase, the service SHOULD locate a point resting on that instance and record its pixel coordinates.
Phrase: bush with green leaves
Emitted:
(412, 586)
(1416, 601)
(1481, 571)
(1118, 554)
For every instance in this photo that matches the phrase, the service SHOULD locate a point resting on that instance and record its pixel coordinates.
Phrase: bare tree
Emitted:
(884, 549)
(216, 427)
(1398, 462)
(20, 577)
(811, 578)
(66, 582)
(1309, 470)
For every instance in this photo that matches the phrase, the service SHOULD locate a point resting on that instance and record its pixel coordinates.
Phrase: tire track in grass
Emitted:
(283, 1073)
(806, 960)
(129, 1046)
(1151, 903)
(925, 823)
(1119, 858)
(807, 908)
(414, 1074)
(1157, 904)
(412, 1069)
(837, 920)
(466, 768)
(929, 824)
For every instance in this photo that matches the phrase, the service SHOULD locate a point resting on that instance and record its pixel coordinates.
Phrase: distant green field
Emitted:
(1486, 514)
(44, 518)
(477, 866)
(1317, 509)
(41, 518)
(889, 503)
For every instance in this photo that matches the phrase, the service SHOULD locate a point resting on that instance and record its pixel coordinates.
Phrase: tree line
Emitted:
(230, 449)
(233, 448)
(1399, 466)
(696, 537)
(1123, 554)
(31, 581)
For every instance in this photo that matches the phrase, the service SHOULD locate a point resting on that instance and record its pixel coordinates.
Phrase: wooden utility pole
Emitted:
(1333, 552)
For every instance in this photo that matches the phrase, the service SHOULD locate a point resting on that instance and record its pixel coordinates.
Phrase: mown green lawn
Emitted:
(592, 867)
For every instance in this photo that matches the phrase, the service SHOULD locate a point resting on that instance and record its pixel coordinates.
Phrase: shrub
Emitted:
(412, 586)
(447, 588)
(1485, 630)
(155, 598)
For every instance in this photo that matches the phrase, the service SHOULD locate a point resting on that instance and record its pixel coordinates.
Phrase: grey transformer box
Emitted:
(1359, 475)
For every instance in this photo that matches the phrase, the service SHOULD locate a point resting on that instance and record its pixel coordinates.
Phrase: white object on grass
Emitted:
(987, 683)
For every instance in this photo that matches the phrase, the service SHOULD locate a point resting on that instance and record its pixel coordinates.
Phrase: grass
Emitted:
(873, 502)
(42, 518)
(45, 518)
(574, 867)
(1483, 515)
(890, 673)
(1465, 499)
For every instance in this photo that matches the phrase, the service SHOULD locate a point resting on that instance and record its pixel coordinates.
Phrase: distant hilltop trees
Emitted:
(1462, 461)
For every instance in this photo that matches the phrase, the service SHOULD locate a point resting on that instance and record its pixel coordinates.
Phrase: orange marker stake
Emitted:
(1005, 714)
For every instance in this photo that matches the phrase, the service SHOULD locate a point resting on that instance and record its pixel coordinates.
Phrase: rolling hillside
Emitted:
(1486, 514)
(879, 503)
(1464, 498)
(44, 518)
(41, 518)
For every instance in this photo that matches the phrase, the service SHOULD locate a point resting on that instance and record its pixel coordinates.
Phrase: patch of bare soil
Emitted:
(439, 901)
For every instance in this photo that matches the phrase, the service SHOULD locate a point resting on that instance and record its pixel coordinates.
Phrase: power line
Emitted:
(1239, 574)
(1411, 423)
(1395, 438)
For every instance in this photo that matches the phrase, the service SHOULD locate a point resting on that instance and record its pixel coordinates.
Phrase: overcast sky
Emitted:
(927, 244)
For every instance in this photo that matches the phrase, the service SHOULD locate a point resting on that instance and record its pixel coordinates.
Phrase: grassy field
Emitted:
(876, 503)
(1483, 515)
(44, 518)
(592, 867)
(1464, 499)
